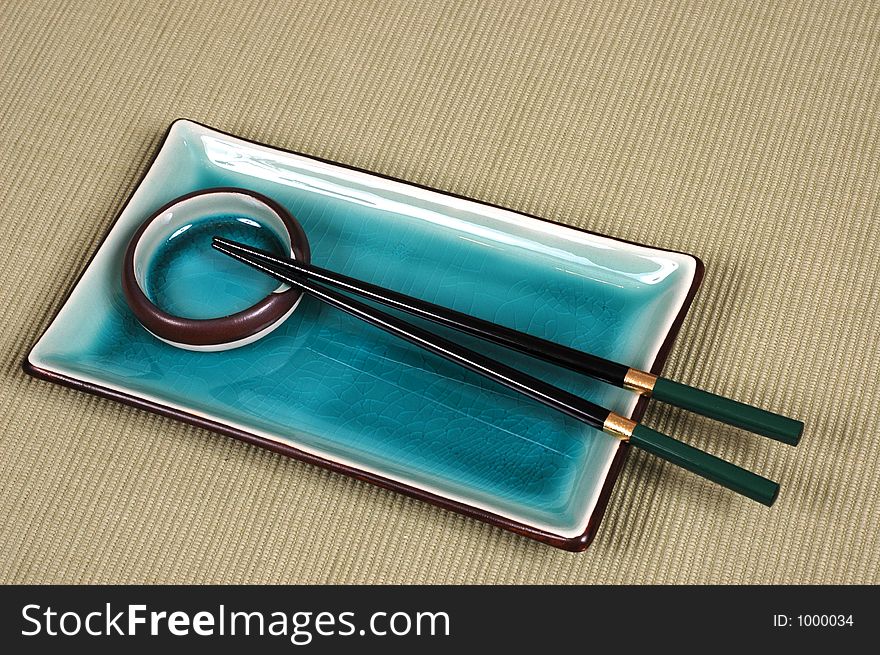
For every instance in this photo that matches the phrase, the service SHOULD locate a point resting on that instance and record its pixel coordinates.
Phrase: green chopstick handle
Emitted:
(732, 412)
(708, 466)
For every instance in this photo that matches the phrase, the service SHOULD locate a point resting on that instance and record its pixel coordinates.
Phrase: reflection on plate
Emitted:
(327, 388)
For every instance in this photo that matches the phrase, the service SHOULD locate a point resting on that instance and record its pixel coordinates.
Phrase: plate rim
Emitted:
(576, 544)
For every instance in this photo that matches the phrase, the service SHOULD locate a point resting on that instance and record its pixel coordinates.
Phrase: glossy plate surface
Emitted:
(349, 396)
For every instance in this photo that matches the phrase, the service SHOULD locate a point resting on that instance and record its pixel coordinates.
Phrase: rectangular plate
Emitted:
(331, 390)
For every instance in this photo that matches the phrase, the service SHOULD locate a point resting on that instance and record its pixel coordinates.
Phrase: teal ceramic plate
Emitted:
(329, 389)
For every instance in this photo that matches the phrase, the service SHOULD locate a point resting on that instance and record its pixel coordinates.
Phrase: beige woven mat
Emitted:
(746, 133)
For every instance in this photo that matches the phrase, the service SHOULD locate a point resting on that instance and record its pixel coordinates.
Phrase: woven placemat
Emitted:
(745, 133)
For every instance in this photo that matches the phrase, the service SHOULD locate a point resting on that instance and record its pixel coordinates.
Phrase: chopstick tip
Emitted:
(227, 246)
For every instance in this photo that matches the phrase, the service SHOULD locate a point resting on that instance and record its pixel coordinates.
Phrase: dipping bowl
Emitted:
(191, 296)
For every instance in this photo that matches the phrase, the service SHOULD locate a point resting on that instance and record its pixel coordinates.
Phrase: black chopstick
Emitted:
(647, 384)
(704, 464)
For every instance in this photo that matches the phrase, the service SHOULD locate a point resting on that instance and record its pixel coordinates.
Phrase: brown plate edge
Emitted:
(575, 544)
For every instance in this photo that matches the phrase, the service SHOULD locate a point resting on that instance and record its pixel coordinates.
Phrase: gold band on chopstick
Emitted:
(639, 381)
(619, 426)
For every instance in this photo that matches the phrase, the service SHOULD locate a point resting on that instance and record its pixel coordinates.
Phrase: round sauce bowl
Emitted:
(191, 296)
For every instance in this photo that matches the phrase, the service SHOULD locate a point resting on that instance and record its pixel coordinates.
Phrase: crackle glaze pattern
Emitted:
(329, 384)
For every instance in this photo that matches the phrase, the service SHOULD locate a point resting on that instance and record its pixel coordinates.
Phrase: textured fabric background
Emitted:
(745, 133)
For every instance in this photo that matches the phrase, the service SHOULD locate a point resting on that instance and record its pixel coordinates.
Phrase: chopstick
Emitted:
(725, 410)
(697, 461)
